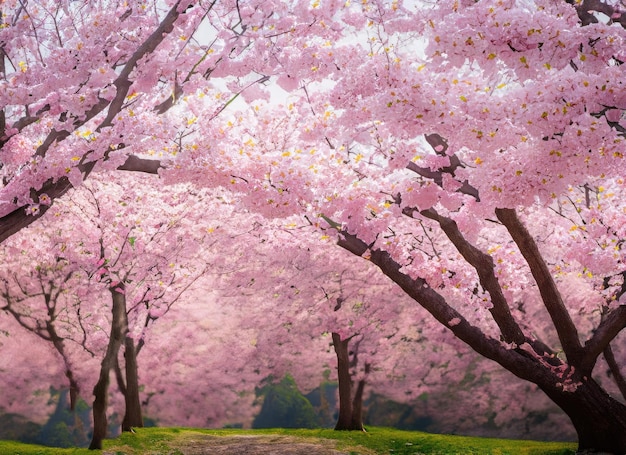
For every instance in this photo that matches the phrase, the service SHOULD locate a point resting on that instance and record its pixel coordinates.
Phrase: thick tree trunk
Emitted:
(119, 327)
(599, 420)
(344, 421)
(132, 417)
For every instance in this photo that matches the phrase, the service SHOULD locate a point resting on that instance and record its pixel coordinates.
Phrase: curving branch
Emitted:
(18, 218)
(517, 361)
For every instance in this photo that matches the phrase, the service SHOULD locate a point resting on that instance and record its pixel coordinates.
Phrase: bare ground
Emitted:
(201, 444)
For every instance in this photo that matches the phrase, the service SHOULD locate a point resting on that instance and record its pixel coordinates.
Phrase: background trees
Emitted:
(115, 244)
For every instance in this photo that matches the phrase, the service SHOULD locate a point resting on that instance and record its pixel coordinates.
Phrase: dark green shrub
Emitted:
(284, 407)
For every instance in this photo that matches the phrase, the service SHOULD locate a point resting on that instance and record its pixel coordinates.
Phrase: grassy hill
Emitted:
(183, 441)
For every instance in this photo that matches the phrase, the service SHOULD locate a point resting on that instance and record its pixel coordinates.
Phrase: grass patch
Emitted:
(392, 441)
(376, 441)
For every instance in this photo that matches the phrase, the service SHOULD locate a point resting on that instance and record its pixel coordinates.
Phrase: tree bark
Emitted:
(599, 420)
(59, 345)
(350, 409)
(132, 416)
(357, 402)
(356, 422)
(618, 377)
(344, 420)
(119, 327)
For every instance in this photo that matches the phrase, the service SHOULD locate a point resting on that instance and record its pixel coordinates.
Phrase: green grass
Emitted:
(376, 441)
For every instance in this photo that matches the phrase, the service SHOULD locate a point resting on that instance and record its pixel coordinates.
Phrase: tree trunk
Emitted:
(344, 421)
(599, 420)
(356, 421)
(132, 417)
(59, 344)
(74, 389)
(357, 403)
(119, 327)
(350, 409)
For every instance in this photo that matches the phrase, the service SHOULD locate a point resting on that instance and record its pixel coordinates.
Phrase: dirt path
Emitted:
(201, 444)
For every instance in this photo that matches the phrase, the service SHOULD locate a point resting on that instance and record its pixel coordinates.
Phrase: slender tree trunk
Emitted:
(74, 389)
(350, 408)
(618, 377)
(119, 327)
(344, 421)
(357, 403)
(59, 345)
(356, 421)
(132, 417)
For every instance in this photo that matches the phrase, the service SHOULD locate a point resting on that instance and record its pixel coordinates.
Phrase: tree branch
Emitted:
(517, 361)
(610, 326)
(615, 370)
(123, 83)
(136, 164)
(437, 176)
(550, 295)
(586, 8)
(484, 266)
(19, 218)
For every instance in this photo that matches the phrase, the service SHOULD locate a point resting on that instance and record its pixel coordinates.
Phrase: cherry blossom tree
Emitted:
(473, 152)
(103, 85)
(45, 294)
(323, 304)
(110, 238)
(144, 251)
(48, 285)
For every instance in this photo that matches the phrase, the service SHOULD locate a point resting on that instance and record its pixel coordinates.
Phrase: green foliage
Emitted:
(388, 413)
(66, 428)
(324, 401)
(376, 441)
(18, 428)
(284, 407)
